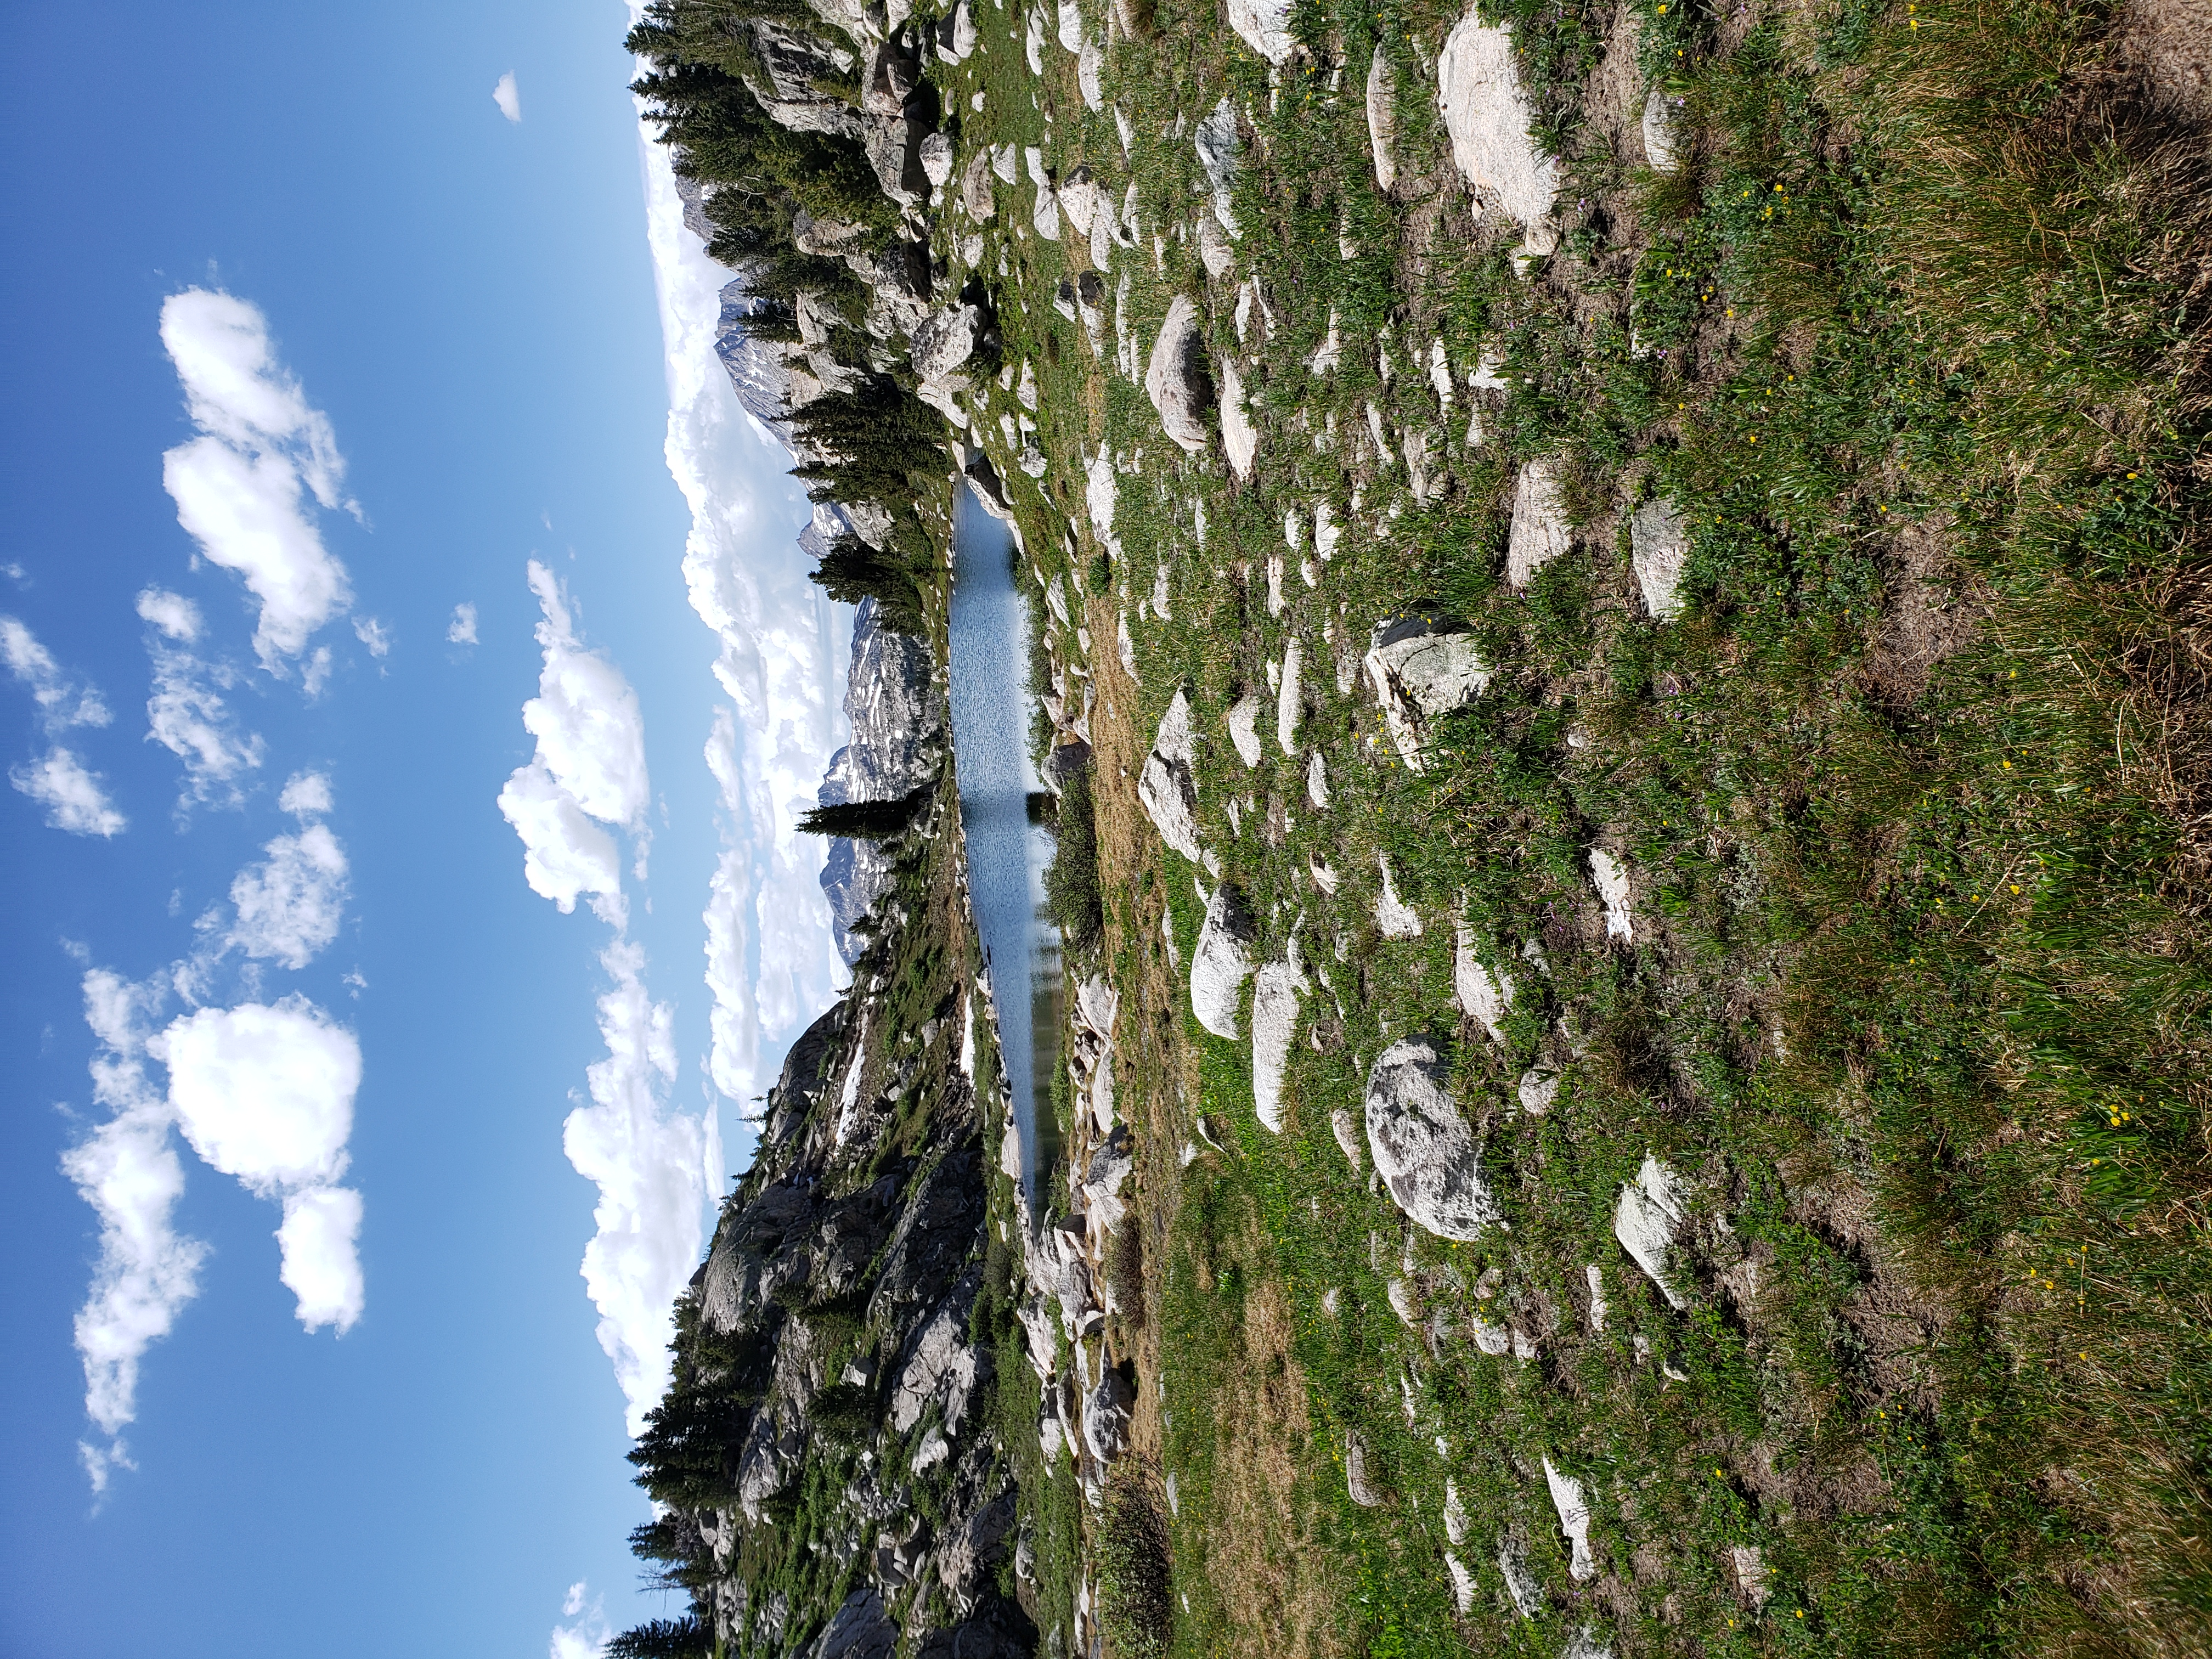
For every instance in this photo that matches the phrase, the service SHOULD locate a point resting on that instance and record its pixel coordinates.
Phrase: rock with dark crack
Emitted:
(1167, 787)
(1176, 378)
(1423, 1149)
(1221, 962)
(1422, 667)
(1106, 1417)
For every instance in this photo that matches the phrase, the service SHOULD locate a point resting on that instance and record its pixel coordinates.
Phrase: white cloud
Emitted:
(586, 1638)
(564, 853)
(373, 634)
(128, 1171)
(238, 487)
(771, 961)
(462, 630)
(62, 701)
(289, 907)
(187, 716)
(649, 1166)
(320, 1264)
(305, 795)
(72, 796)
(264, 1092)
(177, 616)
(591, 735)
(508, 97)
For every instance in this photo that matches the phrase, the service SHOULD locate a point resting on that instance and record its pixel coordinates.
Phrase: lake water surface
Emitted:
(991, 702)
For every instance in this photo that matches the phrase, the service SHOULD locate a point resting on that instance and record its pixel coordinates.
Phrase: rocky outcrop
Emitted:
(1489, 118)
(1423, 1149)
(1176, 378)
(1221, 962)
(1168, 787)
(1422, 667)
(897, 723)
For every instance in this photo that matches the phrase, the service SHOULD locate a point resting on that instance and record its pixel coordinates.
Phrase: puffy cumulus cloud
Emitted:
(591, 735)
(176, 617)
(238, 487)
(564, 855)
(649, 1165)
(771, 960)
(187, 715)
(507, 96)
(320, 1262)
(290, 905)
(62, 701)
(462, 630)
(264, 1092)
(305, 795)
(128, 1171)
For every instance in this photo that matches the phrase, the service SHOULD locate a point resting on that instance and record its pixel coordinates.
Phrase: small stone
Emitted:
(1659, 544)
(1264, 26)
(1239, 437)
(1176, 378)
(1288, 703)
(1317, 782)
(1362, 1490)
(1645, 1220)
(1382, 121)
(1405, 1301)
(1481, 998)
(1244, 729)
(1520, 1586)
(1595, 1281)
(1661, 149)
(1221, 963)
(1393, 915)
(1610, 876)
(1462, 1584)
(1422, 667)
(1274, 1030)
(1574, 1521)
(1168, 788)
(1347, 1138)
(1538, 1088)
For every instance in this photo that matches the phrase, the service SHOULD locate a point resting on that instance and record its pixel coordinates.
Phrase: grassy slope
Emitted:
(1916, 996)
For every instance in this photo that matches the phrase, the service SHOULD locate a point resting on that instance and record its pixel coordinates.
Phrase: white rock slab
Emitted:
(1574, 1521)
(1520, 1586)
(1244, 728)
(1482, 996)
(1462, 1584)
(1218, 152)
(1610, 876)
(1239, 437)
(1420, 669)
(1323, 873)
(1595, 1280)
(1382, 121)
(1317, 782)
(1220, 964)
(1289, 703)
(1274, 1028)
(1393, 915)
(1347, 1138)
(1488, 117)
(1661, 145)
(1659, 544)
(1646, 1220)
(1168, 788)
(1071, 26)
(1264, 26)
(1172, 377)
(1423, 1148)
(1330, 351)
(1540, 532)
(1455, 1513)
(1099, 493)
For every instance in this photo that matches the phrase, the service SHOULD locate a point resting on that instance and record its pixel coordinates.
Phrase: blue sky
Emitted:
(416, 356)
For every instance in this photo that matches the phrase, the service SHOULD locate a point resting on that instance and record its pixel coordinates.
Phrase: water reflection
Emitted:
(1006, 854)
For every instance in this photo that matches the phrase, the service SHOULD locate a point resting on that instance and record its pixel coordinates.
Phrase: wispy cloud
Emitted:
(129, 1173)
(290, 905)
(373, 634)
(72, 796)
(587, 1637)
(508, 97)
(185, 713)
(238, 487)
(771, 962)
(462, 630)
(63, 701)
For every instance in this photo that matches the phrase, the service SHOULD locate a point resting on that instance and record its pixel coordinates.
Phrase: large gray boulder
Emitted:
(945, 340)
(1168, 788)
(1422, 667)
(1488, 116)
(1221, 963)
(1106, 1417)
(861, 1629)
(1423, 1148)
(1176, 378)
